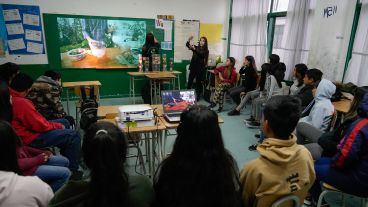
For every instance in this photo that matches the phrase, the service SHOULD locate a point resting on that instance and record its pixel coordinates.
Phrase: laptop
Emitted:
(175, 102)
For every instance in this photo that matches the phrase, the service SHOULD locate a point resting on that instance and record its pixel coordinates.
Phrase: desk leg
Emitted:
(151, 90)
(179, 81)
(133, 92)
(149, 156)
(67, 100)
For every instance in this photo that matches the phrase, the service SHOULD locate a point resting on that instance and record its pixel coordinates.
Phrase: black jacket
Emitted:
(306, 96)
(199, 58)
(249, 78)
(5, 105)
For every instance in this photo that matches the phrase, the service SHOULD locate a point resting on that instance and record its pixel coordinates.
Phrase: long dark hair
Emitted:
(199, 171)
(278, 71)
(358, 97)
(204, 48)
(300, 70)
(265, 68)
(8, 70)
(252, 65)
(104, 150)
(8, 144)
(150, 39)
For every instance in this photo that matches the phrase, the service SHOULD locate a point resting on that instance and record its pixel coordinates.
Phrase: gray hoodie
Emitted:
(322, 111)
(27, 191)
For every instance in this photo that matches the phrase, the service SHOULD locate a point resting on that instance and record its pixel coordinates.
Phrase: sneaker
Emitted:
(258, 136)
(219, 109)
(233, 112)
(252, 147)
(250, 119)
(308, 200)
(211, 105)
(253, 124)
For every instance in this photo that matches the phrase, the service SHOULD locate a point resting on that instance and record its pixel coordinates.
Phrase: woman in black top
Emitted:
(249, 78)
(198, 63)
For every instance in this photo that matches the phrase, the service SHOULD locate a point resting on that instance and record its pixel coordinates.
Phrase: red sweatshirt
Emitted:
(27, 122)
(29, 159)
(227, 79)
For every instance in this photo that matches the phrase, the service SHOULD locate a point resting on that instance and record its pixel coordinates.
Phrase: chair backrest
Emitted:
(287, 199)
(333, 121)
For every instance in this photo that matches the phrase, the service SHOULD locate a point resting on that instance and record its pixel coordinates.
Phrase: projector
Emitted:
(135, 113)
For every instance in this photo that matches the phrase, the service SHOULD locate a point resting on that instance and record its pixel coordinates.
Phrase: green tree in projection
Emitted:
(70, 33)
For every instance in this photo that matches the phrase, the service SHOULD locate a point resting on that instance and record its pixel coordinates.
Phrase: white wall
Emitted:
(207, 11)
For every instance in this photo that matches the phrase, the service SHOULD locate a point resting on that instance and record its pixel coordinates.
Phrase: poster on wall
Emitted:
(184, 29)
(22, 24)
(330, 37)
(213, 33)
(100, 43)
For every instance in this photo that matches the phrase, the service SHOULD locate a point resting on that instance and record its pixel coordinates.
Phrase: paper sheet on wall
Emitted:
(14, 29)
(34, 47)
(168, 35)
(159, 24)
(167, 25)
(33, 35)
(31, 19)
(183, 29)
(213, 32)
(16, 44)
(11, 15)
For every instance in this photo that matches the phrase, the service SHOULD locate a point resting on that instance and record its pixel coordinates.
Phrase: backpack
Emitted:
(88, 108)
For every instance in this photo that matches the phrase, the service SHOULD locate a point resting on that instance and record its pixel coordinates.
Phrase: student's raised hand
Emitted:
(190, 38)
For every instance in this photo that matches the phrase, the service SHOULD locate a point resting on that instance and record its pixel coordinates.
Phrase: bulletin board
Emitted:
(23, 29)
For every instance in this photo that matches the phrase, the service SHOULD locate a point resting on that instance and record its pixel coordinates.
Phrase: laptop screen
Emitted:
(177, 101)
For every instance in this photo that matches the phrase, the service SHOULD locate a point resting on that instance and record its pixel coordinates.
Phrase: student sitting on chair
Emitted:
(348, 169)
(284, 167)
(45, 95)
(199, 171)
(311, 80)
(255, 93)
(104, 151)
(36, 131)
(7, 73)
(227, 75)
(320, 115)
(249, 76)
(17, 190)
(298, 73)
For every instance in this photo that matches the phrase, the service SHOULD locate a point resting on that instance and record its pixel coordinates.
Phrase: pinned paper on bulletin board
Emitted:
(23, 29)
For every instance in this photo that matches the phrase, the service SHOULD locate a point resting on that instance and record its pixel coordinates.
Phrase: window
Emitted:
(279, 32)
(280, 5)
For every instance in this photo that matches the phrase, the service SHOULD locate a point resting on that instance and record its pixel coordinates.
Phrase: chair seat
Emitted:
(329, 187)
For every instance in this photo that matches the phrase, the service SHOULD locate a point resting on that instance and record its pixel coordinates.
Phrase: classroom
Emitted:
(184, 103)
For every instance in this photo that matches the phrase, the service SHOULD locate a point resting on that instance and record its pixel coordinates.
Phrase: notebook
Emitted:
(175, 102)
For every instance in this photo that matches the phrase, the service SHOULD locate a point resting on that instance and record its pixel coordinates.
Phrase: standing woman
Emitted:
(227, 75)
(150, 47)
(249, 78)
(198, 63)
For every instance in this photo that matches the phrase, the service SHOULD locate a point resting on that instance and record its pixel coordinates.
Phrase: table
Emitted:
(136, 76)
(69, 85)
(155, 79)
(342, 106)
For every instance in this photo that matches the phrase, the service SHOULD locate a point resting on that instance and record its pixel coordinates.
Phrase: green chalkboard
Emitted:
(115, 81)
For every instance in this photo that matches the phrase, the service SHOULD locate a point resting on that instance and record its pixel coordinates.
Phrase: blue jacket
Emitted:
(352, 152)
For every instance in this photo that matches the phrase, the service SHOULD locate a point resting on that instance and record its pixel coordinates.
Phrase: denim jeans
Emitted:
(68, 140)
(55, 172)
(62, 121)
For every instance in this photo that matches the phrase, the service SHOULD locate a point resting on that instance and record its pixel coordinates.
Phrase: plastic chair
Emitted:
(288, 198)
(330, 189)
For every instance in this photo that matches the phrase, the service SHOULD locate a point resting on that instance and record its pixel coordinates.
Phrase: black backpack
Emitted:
(88, 108)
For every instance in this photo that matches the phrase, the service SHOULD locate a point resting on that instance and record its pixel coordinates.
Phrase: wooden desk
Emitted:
(135, 76)
(342, 106)
(72, 85)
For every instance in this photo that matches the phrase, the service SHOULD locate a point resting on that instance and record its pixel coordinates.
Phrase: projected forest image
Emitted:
(100, 43)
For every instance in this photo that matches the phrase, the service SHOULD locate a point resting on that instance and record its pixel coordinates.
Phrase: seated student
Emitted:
(347, 170)
(326, 143)
(274, 86)
(320, 114)
(284, 167)
(249, 76)
(205, 175)
(45, 95)
(311, 79)
(43, 164)
(299, 73)
(227, 75)
(17, 190)
(104, 152)
(36, 131)
(255, 93)
(7, 73)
